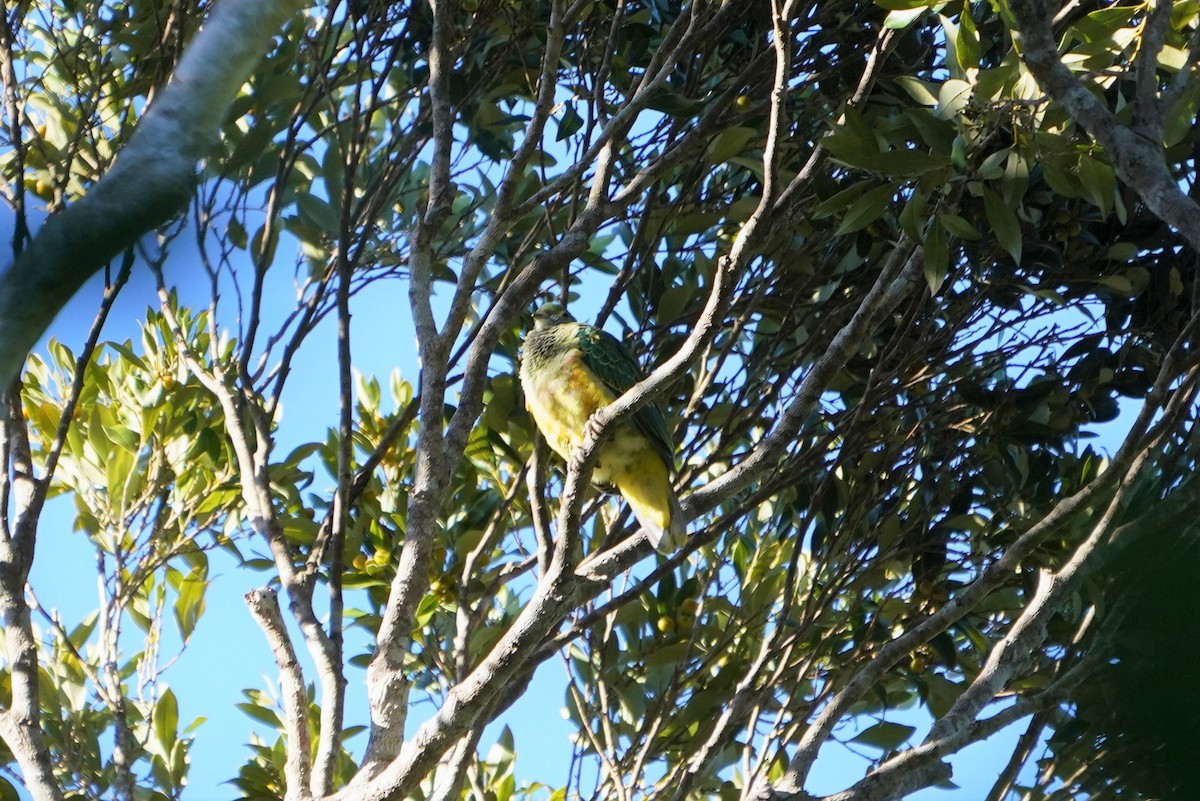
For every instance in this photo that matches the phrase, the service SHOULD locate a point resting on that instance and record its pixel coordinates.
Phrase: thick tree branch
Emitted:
(150, 181)
(20, 723)
(386, 687)
(248, 429)
(264, 607)
(1147, 110)
(1136, 152)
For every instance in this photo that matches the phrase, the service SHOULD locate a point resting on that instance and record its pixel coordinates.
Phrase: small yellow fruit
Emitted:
(360, 562)
(42, 188)
(742, 103)
(665, 624)
(685, 615)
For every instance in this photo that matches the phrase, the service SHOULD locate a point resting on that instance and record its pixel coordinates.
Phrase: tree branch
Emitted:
(333, 681)
(151, 180)
(387, 689)
(20, 723)
(264, 607)
(1136, 152)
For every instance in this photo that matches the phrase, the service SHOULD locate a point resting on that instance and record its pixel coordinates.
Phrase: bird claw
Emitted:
(592, 428)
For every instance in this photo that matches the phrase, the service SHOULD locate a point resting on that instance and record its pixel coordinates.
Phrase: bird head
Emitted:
(550, 314)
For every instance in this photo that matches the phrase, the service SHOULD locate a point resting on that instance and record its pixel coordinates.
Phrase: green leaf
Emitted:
(901, 5)
(166, 720)
(1099, 182)
(262, 714)
(1118, 283)
(966, 48)
(123, 437)
(912, 218)
(940, 693)
(992, 167)
(907, 163)
(80, 634)
(1174, 59)
(1122, 251)
(189, 605)
(569, 124)
(121, 476)
(1004, 224)
(922, 92)
(958, 226)
(503, 751)
(950, 37)
(885, 735)
(673, 103)
(426, 609)
(937, 258)
(936, 132)
(729, 143)
(852, 142)
(250, 146)
(1064, 182)
(316, 212)
(669, 654)
(840, 200)
(953, 97)
(866, 209)
(1016, 177)
(900, 19)
(333, 170)
(263, 246)
(1181, 118)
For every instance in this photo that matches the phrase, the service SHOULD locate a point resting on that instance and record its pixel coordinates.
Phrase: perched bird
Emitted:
(568, 371)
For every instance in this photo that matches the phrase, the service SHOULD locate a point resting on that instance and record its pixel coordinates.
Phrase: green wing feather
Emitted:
(613, 364)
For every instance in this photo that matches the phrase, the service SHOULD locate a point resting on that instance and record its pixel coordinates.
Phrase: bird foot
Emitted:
(592, 428)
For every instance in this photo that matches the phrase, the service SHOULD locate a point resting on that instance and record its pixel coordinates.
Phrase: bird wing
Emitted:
(615, 367)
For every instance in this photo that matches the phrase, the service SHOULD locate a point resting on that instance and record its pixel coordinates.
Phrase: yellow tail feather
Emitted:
(647, 489)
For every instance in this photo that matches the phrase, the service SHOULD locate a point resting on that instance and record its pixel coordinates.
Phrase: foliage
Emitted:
(894, 290)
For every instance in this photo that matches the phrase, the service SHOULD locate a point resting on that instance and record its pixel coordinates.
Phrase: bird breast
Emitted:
(562, 398)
